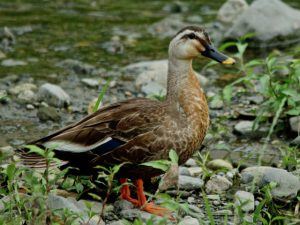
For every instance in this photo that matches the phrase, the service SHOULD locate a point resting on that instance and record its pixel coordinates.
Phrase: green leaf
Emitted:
(10, 171)
(264, 82)
(227, 93)
(100, 97)
(227, 45)
(253, 63)
(292, 93)
(294, 111)
(241, 48)
(173, 156)
(35, 149)
(94, 196)
(163, 165)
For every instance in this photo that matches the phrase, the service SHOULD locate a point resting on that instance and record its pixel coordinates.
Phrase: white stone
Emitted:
(90, 82)
(244, 200)
(12, 62)
(22, 87)
(189, 183)
(230, 10)
(187, 220)
(295, 123)
(217, 184)
(53, 95)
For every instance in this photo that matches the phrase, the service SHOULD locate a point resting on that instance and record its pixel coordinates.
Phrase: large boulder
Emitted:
(273, 22)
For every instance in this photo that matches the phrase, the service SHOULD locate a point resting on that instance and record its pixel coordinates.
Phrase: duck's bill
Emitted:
(213, 53)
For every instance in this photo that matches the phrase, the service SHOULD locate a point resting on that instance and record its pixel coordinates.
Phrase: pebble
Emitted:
(184, 171)
(217, 184)
(188, 220)
(53, 95)
(22, 87)
(296, 142)
(27, 96)
(29, 107)
(295, 123)
(6, 152)
(76, 66)
(219, 164)
(195, 171)
(230, 10)
(244, 200)
(48, 113)
(58, 202)
(287, 185)
(213, 197)
(189, 183)
(12, 62)
(190, 163)
(120, 205)
(244, 127)
(223, 212)
(90, 82)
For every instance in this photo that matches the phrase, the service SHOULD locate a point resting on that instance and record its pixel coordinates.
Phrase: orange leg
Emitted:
(146, 206)
(125, 192)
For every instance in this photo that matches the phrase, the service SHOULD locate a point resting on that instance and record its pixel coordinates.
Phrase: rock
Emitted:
(195, 171)
(213, 197)
(90, 82)
(119, 222)
(187, 220)
(189, 183)
(219, 164)
(194, 19)
(2, 55)
(77, 66)
(167, 27)
(6, 152)
(27, 96)
(295, 123)
(231, 10)
(170, 178)
(13, 62)
(153, 87)
(120, 205)
(29, 106)
(217, 184)
(131, 214)
(184, 171)
(244, 200)
(287, 185)
(48, 113)
(53, 95)
(191, 162)
(244, 128)
(57, 202)
(273, 22)
(296, 142)
(152, 76)
(22, 87)
(7, 39)
(114, 46)
(223, 212)
(216, 103)
(175, 7)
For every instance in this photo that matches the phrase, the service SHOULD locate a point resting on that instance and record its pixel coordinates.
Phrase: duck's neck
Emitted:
(178, 74)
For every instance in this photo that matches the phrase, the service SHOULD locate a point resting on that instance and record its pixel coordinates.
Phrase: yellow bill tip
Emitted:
(228, 61)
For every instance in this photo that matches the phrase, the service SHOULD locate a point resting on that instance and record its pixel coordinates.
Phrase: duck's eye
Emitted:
(191, 36)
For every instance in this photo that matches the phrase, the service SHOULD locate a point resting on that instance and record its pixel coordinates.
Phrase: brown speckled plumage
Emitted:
(145, 129)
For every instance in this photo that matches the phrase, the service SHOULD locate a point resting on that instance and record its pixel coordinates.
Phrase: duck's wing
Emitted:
(106, 130)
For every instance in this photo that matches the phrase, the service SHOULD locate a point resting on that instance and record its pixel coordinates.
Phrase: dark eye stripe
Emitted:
(193, 36)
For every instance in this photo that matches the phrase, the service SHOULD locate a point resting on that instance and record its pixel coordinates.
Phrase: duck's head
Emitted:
(191, 41)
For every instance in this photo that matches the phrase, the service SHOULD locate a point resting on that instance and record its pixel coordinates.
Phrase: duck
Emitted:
(142, 130)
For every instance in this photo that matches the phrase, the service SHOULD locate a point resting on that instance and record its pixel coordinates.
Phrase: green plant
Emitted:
(281, 94)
